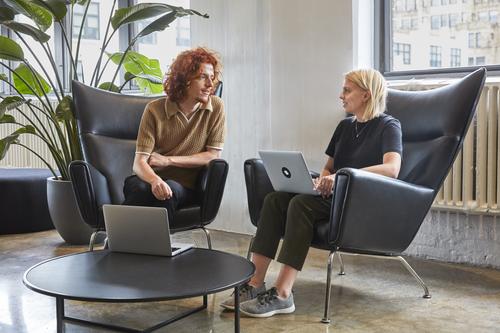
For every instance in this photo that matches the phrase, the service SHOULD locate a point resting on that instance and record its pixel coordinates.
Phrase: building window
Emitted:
(448, 24)
(480, 61)
(91, 25)
(474, 40)
(435, 22)
(455, 56)
(183, 32)
(493, 16)
(435, 60)
(402, 49)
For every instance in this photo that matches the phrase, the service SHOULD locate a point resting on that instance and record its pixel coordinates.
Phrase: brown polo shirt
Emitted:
(165, 130)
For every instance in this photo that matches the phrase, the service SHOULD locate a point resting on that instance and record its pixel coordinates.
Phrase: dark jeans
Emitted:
(138, 193)
(291, 216)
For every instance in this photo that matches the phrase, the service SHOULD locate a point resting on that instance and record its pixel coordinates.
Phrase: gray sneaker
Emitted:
(247, 292)
(268, 304)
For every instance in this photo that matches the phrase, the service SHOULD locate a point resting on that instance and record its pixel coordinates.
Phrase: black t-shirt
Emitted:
(359, 145)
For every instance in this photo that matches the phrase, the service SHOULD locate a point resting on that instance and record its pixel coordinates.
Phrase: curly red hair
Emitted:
(186, 67)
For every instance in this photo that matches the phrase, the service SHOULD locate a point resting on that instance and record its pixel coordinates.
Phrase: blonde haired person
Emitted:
(369, 140)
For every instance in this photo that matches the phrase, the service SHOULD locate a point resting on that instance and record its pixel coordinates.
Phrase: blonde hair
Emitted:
(372, 81)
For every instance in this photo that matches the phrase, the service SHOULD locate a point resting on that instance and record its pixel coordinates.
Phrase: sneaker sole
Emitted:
(227, 307)
(270, 313)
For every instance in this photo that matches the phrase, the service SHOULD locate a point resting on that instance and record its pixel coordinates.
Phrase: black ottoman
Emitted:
(23, 201)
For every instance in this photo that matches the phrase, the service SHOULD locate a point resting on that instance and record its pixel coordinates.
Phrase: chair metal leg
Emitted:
(326, 317)
(341, 272)
(207, 234)
(249, 247)
(415, 275)
(93, 238)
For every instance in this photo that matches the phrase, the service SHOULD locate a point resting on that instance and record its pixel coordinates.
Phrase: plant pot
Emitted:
(64, 212)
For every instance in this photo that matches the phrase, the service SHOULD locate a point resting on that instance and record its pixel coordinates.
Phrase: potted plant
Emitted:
(47, 103)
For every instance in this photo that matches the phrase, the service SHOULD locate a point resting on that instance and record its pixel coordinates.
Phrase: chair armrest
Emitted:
(212, 183)
(374, 213)
(258, 186)
(91, 192)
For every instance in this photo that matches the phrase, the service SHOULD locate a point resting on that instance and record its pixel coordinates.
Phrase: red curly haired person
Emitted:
(178, 134)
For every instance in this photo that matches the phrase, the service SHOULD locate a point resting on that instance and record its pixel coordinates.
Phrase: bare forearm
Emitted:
(144, 171)
(192, 161)
(387, 170)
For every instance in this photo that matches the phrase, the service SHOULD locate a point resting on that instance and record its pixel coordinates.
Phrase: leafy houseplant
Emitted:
(50, 118)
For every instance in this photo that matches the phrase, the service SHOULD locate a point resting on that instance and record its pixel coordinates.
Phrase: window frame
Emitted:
(383, 49)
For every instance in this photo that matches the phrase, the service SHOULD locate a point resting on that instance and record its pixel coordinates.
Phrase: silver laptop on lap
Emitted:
(140, 230)
(288, 171)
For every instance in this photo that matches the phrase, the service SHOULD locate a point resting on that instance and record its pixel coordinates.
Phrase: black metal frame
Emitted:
(62, 318)
(383, 49)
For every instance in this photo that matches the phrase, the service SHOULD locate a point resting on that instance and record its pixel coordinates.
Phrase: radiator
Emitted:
(18, 156)
(473, 183)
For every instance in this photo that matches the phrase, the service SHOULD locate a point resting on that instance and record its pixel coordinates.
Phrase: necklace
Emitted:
(358, 132)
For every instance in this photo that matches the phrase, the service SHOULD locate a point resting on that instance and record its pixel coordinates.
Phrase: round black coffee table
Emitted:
(104, 276)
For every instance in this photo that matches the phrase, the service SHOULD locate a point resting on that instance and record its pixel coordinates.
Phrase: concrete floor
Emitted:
(374, 296)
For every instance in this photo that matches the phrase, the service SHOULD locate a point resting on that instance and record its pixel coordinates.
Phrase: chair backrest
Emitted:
(434, 124)
(108, 124)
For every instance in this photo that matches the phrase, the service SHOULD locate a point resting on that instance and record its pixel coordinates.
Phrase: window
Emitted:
(480, 61)
(455, 56)
(404, 50)
(435, 22)
(91, 26)
(493, 16)
(183, 32)
(166, 45)
(435, 59)
(453, 20)
(443, 35)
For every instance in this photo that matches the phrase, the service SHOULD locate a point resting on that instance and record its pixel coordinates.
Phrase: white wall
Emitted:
(283, 65)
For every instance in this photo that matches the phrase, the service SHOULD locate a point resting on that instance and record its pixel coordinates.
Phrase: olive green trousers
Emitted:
(291, 217)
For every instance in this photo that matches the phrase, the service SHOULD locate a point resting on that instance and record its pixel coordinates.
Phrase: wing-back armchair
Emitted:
(377, 215)
(108, 124)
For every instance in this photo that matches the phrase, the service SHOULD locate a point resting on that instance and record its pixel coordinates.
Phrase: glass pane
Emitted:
(165, 45)
(434, 34)
(91, 42)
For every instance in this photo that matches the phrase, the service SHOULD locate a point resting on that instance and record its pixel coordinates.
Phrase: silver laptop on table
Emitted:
(288, 171)
(141, 230)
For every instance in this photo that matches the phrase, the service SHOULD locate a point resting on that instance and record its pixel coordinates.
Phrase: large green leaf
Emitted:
(9, 103)
(147, 10)
(153, 79)
(27, 29)
(138, 64)
(7, 119)
(110, 87)
(10, 50)
(57, 8)
(24, 72)
(64, 110)
(6, 13)
(159, 24)
(5, 144)
(137, 13)
(41, 16)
